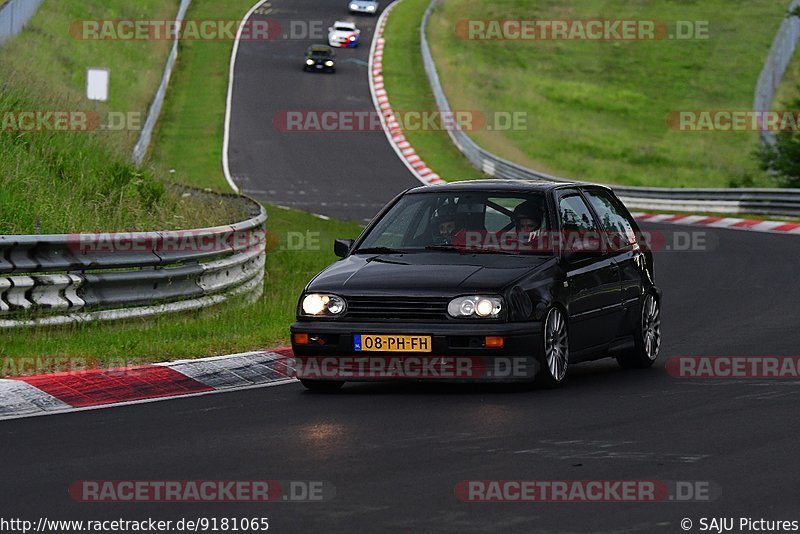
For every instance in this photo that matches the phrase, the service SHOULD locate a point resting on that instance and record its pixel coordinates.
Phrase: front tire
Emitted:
(322, 385)
(646, 338)
(555, 359)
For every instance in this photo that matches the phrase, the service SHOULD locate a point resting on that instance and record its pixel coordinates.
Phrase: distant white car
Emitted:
(363, 6)
(343, 35)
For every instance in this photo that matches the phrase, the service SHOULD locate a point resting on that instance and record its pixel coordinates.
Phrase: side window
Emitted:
(575, 215)
(613, 219)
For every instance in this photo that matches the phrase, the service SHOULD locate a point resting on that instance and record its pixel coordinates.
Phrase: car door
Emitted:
(592, 276)
(616, 222)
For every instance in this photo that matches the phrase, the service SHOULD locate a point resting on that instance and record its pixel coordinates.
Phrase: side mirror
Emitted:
(330, 29)
(342, 246)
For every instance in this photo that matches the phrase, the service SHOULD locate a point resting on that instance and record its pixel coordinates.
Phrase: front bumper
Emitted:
(456, 354)
(363, 9)
(319, 67)
(335, 43)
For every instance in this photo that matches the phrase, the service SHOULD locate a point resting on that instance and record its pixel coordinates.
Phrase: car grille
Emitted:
(397, 308)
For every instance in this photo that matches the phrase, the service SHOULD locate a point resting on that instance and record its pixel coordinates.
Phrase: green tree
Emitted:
(783, 157)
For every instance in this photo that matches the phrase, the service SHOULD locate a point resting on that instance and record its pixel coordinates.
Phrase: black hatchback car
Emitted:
(482, 280)
(320, 58)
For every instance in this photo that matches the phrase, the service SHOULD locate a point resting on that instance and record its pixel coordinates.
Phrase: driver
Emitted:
(443, 224)
(528, 217)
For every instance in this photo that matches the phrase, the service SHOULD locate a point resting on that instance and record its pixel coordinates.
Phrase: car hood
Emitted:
(428, 273)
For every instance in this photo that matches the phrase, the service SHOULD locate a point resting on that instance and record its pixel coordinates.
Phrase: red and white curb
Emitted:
(100, 388)
(391, 126)
(732, 223)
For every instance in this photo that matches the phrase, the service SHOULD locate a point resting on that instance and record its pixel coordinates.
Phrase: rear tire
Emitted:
(646, 338)
(322, 385)
(555, 357)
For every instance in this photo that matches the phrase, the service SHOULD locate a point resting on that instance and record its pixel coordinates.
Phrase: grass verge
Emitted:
(597, 110)
(600, 108)
(66, 181)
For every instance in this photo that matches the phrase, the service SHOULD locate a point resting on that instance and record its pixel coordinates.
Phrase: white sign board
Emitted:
(97, 84)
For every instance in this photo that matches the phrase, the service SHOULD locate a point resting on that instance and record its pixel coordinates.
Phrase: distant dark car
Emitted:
(512, 280)
(320, 58)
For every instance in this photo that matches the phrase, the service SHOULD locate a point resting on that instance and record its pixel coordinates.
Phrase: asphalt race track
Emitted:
(347, 175)
(394, 452)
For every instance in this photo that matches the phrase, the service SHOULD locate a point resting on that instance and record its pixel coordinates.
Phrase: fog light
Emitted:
(300, 339)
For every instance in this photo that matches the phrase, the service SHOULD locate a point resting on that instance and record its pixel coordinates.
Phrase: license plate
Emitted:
(391, 343)
(319, 66)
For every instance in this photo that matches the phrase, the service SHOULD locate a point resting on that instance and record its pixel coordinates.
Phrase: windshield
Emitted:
(343, 29)
(470, 222)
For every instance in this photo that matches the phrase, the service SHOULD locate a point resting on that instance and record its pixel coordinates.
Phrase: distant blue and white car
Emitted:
(343, 35)
(363, 6)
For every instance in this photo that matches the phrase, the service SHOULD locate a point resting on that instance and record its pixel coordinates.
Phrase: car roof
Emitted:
(345, 23)
(491, 185)
(317, 49)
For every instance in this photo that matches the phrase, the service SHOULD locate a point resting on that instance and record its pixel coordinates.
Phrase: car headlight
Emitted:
(352, 37)
(309, 62)
(353, 6)
(475, 306)
(370, 8)
(329, 63)
(318, 305)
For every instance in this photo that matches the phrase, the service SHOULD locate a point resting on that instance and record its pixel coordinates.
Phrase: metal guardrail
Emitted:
(143, 143)
(774, 202)
(14, 15)
(58, 279)
(780, 54)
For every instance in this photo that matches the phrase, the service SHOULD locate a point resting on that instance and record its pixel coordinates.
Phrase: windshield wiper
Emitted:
(379, 250)
(463, 250)
(447, 248)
